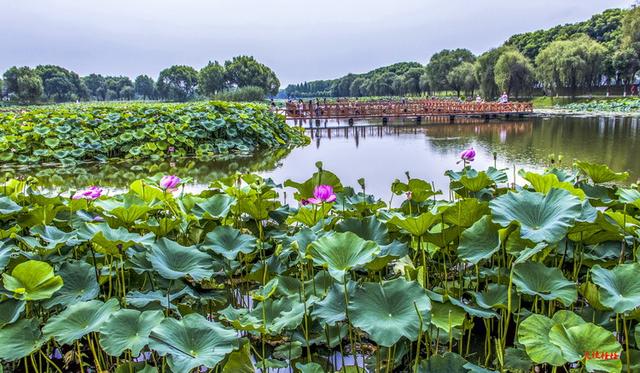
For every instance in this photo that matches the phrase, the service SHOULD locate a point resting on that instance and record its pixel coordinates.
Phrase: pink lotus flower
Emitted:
(322, 193)
(169, 181)
(468, 155)
(171, 149)
(91, 193)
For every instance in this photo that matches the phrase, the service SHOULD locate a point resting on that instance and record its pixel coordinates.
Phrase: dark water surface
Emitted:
(382, 154)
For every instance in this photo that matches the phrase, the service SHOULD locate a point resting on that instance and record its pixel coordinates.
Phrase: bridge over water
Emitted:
(419, 109)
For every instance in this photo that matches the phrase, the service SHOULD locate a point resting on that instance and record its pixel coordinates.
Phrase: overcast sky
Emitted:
(299, 40)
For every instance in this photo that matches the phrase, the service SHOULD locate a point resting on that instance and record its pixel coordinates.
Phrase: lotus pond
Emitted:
(492, 277)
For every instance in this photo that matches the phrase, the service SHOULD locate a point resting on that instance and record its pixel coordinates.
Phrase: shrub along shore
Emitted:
(500, 277)
(75, 133)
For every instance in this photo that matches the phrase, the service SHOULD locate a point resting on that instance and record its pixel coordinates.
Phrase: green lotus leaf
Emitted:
(415, 225)
(146, 191)
(473, 310)
(173, 261)
(479, 242)
(54, 237)
(309, 368)
(215, 207)
(544, 184)
(340, 252)
(420, 189)
(331, 309)
(465, 212)
(192, 342)
(32, 280)
(389, 311)
(517, 360)
(541, 217)
(141, 300)
(128, 210)
(6, 156)
(305, 190)
(79, 319)
(20, 339)
(533, 333)
(229, 242)
(619, 288)
(548, 283)
(115, 239)
(52, 142)
(449, 362)
(576, 341)
(369, 228)
(447, 316)
(8, 207)
(240, 361)
(279, 314)
(10, 311)
(495, 296)
(6, 250)
(128, 329)
(79, 284)
(600, 173)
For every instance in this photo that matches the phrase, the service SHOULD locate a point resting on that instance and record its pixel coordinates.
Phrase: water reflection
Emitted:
(381, 154)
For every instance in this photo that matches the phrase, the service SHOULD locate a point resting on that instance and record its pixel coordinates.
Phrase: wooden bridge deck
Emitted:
(396, 109)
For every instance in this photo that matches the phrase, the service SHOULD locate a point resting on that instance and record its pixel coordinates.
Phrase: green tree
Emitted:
(631, 29)
(356, 88)
(513, 72)
(24, 84)
(462, 78)
(412, 80)
(484, 72)
(60, 84)
(626, 64)
(211, 79)
(96, 86)
(118, 88)
(442, 63)
(425, 83)
(575, 63)
(177, 82)
(145, 87)
(243, 71)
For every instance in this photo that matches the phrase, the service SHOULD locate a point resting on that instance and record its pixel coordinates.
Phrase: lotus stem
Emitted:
(346, 311)
(419, 337)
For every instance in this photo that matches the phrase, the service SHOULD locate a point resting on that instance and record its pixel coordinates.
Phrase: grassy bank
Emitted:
(83, 132)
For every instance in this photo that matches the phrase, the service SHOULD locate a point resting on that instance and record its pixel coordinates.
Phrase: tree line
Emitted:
(572, 58)
(50, 83)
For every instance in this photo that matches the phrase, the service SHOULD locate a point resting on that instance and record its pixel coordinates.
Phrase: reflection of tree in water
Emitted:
(122, 173)
(613, 141)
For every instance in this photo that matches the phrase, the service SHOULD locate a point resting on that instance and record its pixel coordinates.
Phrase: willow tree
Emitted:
(572, 64)
(513, 72)
(462, 78)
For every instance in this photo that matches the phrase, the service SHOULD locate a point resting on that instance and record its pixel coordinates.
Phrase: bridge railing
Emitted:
(355, 109)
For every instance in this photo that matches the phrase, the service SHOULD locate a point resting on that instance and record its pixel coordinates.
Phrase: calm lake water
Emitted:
(382, 154)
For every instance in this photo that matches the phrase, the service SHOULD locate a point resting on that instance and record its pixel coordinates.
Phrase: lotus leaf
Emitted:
(341, 252)
(229, 242)
(20, 339)
(389, 311)
(80, 284)
(619, 288)
(548, 283)
(79, 319)
(541, 217)
(192, 342)
(32, 280)
(128, 329)
(173, 261)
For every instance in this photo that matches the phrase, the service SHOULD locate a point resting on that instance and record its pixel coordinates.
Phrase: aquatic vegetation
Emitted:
(75, 133)
(621, 105)
(496, 278)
